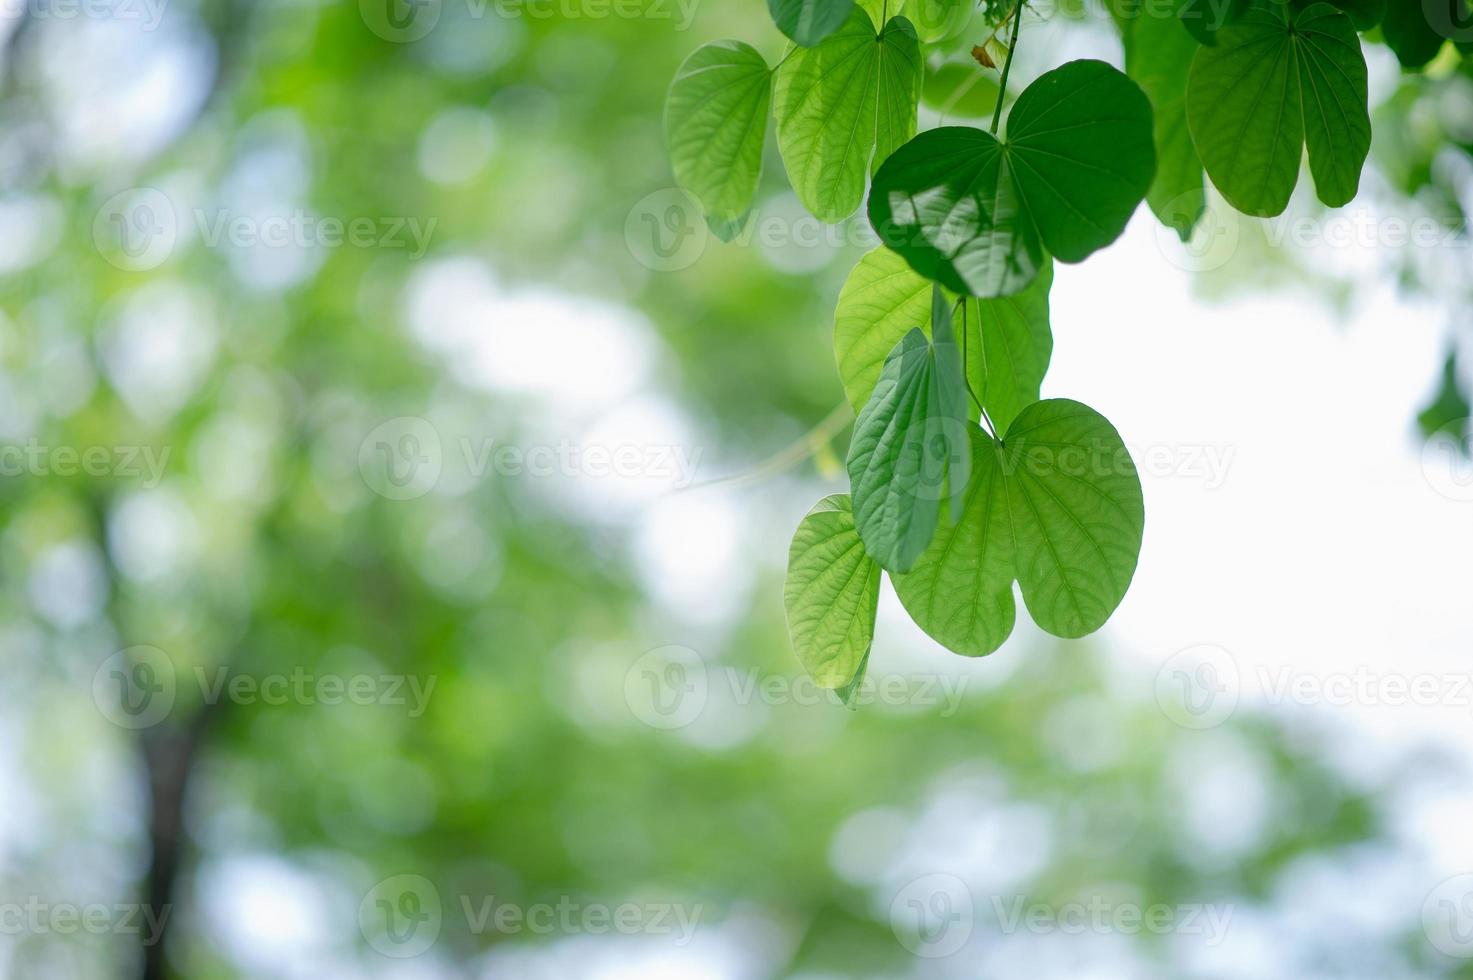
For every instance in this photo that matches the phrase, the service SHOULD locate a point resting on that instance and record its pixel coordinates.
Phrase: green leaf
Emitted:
(1077, 514)
(840, 104)
(1409, 32)
(961, 590)
(831, 593)
(1158, 57)
(1204, 18)
(1275, 81)
(1009, 344)
(1057, 506)
(1364, 14)
(848, 694)
(715, 124)
(1008, 340)
(976, 214)
(909, 439)
(959, 89)
(807, 22)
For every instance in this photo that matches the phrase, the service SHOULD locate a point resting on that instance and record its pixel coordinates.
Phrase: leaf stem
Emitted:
(966, 378)
(794, 453)
(1007, 65)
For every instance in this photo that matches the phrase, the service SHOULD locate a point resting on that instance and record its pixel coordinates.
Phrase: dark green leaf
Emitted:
(976, 214)
(809, 21)
(1409, 31)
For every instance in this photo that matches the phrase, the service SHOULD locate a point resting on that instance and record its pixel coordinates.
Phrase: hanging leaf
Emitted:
(909, 439)
(807, 22)
(1008, 341)
(1364, 14)
(961, 590)
(1158, 57)
(976, 214)
(1276, 81)
(840, 104)
(1408, 29)
(1057, 506)
(831, 593)
(715, 125)
(1204, 18)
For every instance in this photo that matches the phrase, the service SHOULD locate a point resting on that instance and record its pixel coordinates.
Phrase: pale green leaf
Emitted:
(1007, 339)
(715, 125)
(831, 594)
(848, 100)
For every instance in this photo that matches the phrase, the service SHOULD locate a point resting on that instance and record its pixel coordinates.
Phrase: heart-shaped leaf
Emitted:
(976, 213)
(909, 440)
(715, 125)
(1057, 506)
(809, 21)
(850, 99)
(1007, 341)
(831, 593)
(1277, 80)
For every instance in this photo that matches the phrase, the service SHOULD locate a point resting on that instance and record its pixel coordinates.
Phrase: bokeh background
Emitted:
(397, 483)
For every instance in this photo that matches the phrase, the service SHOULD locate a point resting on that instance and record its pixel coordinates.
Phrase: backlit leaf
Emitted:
(830, 594)
(849, 100)
(715, 125)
